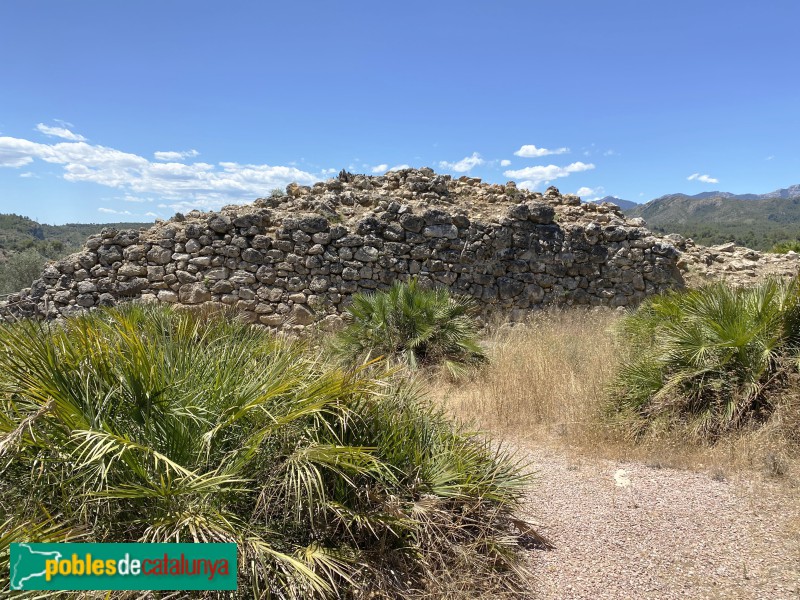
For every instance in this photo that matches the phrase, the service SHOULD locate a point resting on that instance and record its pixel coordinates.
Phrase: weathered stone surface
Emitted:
(132, 287)
(193, 293)
(167, 296)
(85, 300)
(366, 254)
(86, 287)
(108, 255)
(222, 287)
(252, 255)
(313, 224)
(132, 270)
(106, 299)
(159, 256)
(448, 231)
(219, 223)
(302, 315)
(411, 222)
(542, 213)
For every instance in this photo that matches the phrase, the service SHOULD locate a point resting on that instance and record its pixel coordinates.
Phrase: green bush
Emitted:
(150, 425)
(414, 326)
(20, 270)
(712, 359)
(784, 247)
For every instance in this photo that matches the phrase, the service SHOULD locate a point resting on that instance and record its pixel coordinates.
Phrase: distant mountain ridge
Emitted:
(755, 220)
(793, 191)
(623, 204)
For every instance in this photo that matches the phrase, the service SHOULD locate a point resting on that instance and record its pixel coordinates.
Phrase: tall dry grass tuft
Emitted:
(548, 382)
(547, 376)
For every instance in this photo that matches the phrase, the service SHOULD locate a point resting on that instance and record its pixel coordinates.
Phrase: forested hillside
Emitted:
(25, 246)
(758, 223)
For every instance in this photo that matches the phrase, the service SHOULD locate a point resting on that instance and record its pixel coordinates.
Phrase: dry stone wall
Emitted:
(296, 259)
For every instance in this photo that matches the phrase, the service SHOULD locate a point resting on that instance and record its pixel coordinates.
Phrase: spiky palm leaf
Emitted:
(708, 356)
(415, 326)
(147, 424)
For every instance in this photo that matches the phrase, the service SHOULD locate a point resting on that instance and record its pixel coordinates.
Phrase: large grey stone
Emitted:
(448, 231)
(193, 293)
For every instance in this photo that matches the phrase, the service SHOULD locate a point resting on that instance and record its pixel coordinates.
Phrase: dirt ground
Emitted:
(628, 530)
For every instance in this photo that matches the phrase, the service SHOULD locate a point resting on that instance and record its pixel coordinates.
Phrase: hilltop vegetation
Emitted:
(18, 233)
(25, 246)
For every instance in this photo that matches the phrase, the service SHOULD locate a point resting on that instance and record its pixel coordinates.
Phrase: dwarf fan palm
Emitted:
(709, 356)
(147, 424)
(415, 326)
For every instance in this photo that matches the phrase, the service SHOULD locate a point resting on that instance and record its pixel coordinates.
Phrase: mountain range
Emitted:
(755, 220)
(793, 191)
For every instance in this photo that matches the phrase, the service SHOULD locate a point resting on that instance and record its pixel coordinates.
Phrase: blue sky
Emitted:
(116, 111)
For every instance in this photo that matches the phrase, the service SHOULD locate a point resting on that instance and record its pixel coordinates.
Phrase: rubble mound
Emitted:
(294, 259)
(732, 264)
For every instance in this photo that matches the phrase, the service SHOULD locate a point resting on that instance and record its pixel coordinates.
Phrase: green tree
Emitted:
(20, 270)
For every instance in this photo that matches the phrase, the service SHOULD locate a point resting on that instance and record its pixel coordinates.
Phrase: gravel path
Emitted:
(668, 534)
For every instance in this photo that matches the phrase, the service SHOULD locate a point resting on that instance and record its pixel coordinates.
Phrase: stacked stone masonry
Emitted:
(296, 259)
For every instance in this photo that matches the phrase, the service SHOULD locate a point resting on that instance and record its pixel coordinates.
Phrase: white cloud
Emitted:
(531, 151)
(505, 162)
(609, 152)
(111, 211)
(770, 157)
(591, 194)
(383, 168)
(28, 175)
(13, 156)
(703, 178)
(195, 185)
(128, 215)
(173, 156)
(60, 132)
(465, 164)
(534, 176)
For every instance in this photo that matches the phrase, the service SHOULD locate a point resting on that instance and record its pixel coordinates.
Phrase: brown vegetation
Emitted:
(547, 383)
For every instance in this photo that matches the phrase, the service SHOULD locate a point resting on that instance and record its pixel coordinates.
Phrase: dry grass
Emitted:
(547, 376)
(547, 383)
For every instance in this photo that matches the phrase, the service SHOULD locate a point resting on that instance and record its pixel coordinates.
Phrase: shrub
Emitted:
(713, 358)
(147, 424)
(414, 326)
(784, 247)
(20, 270)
